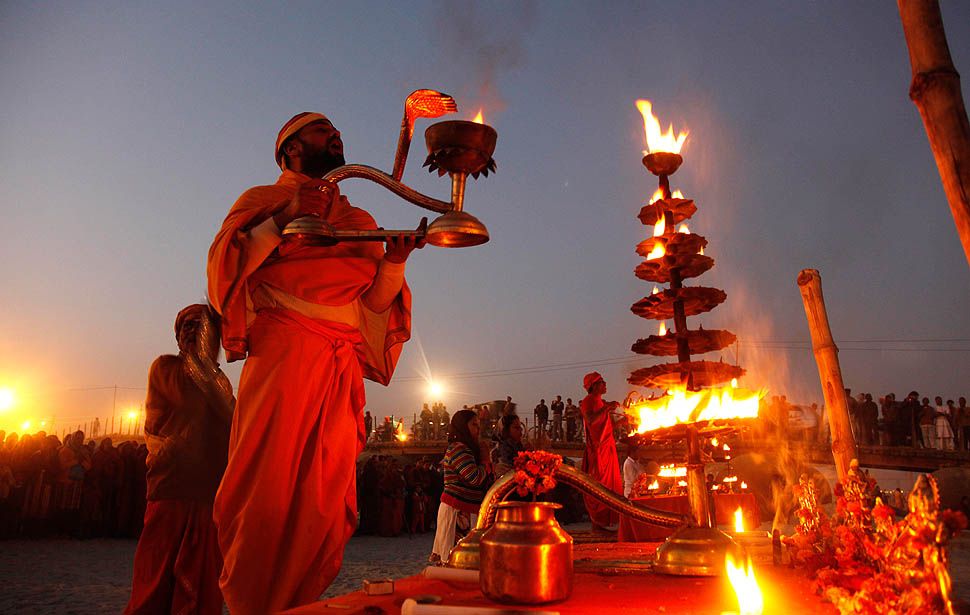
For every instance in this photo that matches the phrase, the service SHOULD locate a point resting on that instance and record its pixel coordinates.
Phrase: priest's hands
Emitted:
(313, 198)
(399, 247)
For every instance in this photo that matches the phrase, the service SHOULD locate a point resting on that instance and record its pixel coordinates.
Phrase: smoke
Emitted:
(486, 44)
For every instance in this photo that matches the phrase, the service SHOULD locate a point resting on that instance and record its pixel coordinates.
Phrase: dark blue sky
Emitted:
(128, 129)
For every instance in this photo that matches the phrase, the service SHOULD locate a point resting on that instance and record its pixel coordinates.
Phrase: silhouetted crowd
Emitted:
(71, 488)
(913, 421)
(393, 499)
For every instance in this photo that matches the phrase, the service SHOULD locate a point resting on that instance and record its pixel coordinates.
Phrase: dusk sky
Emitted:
(128, 129)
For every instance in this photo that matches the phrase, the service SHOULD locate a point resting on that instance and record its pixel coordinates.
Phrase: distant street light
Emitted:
(435, 390)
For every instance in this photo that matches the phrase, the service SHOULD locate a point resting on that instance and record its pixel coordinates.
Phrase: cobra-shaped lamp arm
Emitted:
(586, 484)
(362, 171)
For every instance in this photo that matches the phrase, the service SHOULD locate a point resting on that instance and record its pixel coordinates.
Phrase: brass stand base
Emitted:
(695, 552)
(466, 554)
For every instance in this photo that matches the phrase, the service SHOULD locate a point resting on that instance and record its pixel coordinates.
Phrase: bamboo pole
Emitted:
(936, 91)
(829, 372)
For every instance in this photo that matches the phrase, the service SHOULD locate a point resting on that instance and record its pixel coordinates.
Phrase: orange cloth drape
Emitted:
(177, 562)
(600, 460)
(287, 504)
(335, 276)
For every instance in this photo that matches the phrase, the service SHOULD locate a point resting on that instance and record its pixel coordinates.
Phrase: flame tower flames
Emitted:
(700, 398)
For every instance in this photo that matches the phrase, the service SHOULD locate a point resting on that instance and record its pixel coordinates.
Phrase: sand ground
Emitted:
(61, 576)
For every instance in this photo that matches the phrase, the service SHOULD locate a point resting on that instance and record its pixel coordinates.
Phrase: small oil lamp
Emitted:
(458, 148)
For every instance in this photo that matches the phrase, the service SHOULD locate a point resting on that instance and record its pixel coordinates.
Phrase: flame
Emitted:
(663, 328)
(730, 479)
(744, 485)
(399, 432)
(659, 227)
(658, 141)
(714, 441)
(734, 383)
(750, 601)
(681, 483)
(672, 471)
(726, 447)
(657, 252)
(738, 520)
(655, 290)
(683, 229)
(654, 485)
(701, 251)
(659, 194)
(682, 406)
(479, 118)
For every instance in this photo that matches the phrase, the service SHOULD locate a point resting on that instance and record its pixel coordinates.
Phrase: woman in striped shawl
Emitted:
(467, 477)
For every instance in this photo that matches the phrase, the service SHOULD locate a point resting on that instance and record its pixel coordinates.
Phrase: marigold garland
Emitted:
(864, 561)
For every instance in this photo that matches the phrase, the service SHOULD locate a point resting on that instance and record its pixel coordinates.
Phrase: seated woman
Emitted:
(508, 445)
(467, 478)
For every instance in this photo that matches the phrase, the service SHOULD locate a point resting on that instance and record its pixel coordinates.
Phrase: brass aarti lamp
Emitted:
(458, 148)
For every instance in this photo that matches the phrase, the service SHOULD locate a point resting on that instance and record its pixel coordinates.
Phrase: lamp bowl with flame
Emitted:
(460, 146)
(741, 575)
(663, 148)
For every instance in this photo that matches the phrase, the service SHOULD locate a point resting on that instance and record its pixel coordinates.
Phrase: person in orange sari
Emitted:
(600, 459)
(314, 321)
(187, 416)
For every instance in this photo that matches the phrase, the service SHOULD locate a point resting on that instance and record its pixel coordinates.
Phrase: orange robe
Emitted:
(287, 504)
(600, 460)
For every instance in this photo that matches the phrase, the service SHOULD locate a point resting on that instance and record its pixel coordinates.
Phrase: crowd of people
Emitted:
(913, 421)
(393, 499)
(71, 488)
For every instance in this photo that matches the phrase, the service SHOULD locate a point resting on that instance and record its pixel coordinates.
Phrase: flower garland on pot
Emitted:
(535, 472)
(865, 561)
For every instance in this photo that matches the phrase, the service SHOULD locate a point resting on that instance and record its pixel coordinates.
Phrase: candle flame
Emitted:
(657, 252)
(663, 328)
(730, 479)
(660, 227)
(658, 141)
(654, 485)
(655, 290)
(714, 441)
(399, 432)
(701, 251)
(683, 229)
(479, 118)
(738, 520)
(726, 447)
(672, 471)
(750, 600)
(744, 485)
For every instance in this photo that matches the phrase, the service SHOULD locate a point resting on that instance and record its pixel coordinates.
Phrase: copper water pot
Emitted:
(526, 557)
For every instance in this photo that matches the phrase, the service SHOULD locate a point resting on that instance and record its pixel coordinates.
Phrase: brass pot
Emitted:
(526, 557)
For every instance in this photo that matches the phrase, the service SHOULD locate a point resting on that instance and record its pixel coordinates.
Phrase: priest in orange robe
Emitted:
(600, 459)
(313, 322)
(187, 415)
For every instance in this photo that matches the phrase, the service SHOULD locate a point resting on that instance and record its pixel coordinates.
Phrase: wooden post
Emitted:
(829, 372)
(936, 91)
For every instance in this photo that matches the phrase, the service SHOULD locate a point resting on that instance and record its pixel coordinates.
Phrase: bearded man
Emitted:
(314, 322)
(188, 412)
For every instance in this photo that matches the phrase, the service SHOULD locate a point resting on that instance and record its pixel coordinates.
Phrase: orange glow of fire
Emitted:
(657, 252)
(671, 471)
(738, 520)
(726, 447)
(659, 194)
(701, 251)
(659, 227)
(654, 485)
(399, 432)
(663, 328)
(658, 141)
(714, 441)
(744, 485)
(683, 229)
(655, 290)
(682, 406)
(681, 483)
(750, 600)
(730, 479)
(479, 118)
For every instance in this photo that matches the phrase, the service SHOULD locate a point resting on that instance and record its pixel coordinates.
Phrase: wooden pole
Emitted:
(829, 372)
(936, 91)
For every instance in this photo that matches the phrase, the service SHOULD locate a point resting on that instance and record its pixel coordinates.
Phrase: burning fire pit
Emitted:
(701, 398)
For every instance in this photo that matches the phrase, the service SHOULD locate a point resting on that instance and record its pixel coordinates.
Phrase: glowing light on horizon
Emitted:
(7, 399)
